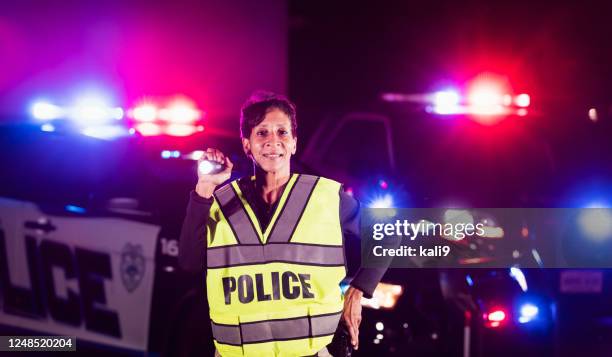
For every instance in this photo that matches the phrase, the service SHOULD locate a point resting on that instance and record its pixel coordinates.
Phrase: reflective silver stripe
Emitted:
(307, 254)
(236, 215)
(229, 334)
(277, 330)
(322, 325)
(293, 209)
(234, 255)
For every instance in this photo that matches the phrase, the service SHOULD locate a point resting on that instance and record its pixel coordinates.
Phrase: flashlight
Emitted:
(207, 167)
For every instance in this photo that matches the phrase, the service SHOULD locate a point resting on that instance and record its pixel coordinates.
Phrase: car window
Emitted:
(360, 147)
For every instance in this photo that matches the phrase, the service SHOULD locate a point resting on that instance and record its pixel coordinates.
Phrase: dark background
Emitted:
(332, 58)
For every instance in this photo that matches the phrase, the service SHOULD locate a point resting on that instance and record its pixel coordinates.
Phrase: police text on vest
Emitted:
(250, 287)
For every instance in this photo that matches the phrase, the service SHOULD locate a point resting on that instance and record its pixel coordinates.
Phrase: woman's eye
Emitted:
(283, 132)
(262, 133)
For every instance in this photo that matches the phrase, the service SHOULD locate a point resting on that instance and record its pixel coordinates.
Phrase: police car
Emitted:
(395, 158)
(89, 234)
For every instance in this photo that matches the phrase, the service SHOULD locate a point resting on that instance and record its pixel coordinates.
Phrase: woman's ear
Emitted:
(294, 149)
(246, 146)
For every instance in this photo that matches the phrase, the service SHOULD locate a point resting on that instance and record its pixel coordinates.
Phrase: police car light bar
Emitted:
(95, 117)
(94, 109)
(181, 129)
(522, 100)
(105, 132)
(46, 111)
(86, 111)
(446, 102)
(148, 129)
(177, 117)
(484, 98)
(144, 113)
(178, 111)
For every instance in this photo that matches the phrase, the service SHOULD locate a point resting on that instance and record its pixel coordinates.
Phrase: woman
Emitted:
(274, 245)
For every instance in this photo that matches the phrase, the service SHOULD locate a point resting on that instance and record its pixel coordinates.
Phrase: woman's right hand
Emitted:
(207, 183)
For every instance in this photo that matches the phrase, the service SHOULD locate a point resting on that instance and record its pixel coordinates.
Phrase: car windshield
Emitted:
(143, 174)
(466, 164)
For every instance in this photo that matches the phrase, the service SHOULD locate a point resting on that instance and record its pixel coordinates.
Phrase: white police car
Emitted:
(89, 241)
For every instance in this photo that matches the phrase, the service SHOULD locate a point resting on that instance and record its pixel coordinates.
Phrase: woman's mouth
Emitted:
(272, 156)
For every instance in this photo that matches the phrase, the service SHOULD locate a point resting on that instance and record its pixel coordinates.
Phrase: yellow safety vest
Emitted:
(276, 293)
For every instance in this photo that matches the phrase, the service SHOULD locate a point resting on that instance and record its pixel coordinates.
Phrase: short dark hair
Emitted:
(255, 108)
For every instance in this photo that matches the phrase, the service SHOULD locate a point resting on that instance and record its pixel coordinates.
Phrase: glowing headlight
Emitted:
(385, 296)
(384, 201)
(528, 312)
(596, 223)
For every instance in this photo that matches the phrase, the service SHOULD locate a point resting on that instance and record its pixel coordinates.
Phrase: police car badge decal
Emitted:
(132, 266)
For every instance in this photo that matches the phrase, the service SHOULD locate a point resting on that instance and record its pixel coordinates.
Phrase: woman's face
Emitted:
(272, 143)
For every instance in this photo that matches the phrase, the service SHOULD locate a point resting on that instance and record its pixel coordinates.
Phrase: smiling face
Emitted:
(272, 143)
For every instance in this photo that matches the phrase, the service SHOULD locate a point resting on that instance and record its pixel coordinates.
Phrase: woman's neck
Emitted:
(270, 184)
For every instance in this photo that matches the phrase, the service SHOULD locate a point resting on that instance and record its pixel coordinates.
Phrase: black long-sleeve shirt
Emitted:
(192, 244)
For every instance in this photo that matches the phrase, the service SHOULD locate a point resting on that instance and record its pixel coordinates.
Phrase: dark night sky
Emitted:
(329, 56)
(344, 54)
(215, 52)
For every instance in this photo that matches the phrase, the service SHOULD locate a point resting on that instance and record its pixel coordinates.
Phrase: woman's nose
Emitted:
(273, 140)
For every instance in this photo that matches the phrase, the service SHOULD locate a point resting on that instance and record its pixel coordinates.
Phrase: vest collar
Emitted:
(287, 214)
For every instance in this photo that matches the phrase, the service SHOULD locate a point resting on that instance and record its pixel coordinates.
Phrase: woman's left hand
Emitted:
(352, 313)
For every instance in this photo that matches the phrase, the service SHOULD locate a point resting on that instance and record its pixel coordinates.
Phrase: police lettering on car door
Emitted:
(87, 277)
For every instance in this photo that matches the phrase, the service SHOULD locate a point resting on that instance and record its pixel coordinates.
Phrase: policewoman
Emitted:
(273, 245)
